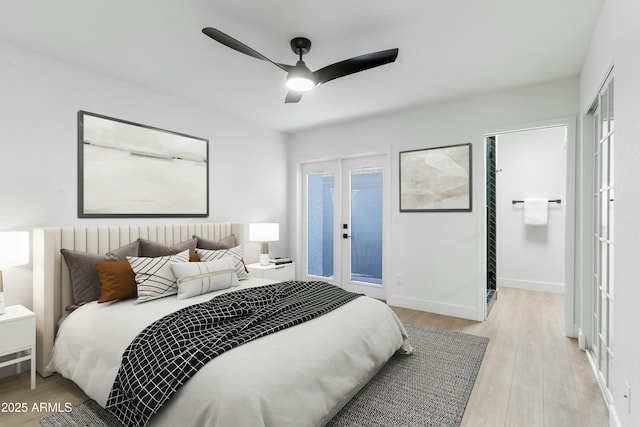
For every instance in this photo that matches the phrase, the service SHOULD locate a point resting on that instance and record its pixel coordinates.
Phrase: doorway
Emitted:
(345, 208)
(522, 165)
(492, 217)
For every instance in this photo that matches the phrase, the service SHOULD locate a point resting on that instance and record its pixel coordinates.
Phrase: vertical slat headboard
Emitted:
(51, 280)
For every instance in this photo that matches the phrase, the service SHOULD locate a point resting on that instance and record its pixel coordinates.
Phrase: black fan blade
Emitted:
(293, 97)
(355, 65)
(229, 41)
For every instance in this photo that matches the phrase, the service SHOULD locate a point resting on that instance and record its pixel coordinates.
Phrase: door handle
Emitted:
(345, 227)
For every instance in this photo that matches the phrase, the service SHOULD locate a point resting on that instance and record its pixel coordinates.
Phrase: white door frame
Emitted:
(570, 216)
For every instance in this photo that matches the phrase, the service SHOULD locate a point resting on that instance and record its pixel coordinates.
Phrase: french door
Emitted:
(603, 236)
(344, 209)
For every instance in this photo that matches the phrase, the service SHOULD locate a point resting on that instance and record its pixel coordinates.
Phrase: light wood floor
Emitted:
(532, 375)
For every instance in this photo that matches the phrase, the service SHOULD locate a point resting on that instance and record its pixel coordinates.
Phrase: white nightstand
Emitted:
(18, 332)
(282, 272)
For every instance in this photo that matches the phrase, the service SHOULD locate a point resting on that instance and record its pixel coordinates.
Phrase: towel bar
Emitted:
(522, 201)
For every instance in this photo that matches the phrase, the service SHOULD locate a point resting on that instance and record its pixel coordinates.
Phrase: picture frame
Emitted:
(437, 179)
(128, 170)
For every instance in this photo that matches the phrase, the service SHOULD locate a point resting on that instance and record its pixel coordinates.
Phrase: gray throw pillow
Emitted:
(226, 243)
(155, 249)
(132, 249)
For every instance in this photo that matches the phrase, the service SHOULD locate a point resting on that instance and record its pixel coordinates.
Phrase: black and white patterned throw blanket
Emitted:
(171, 350)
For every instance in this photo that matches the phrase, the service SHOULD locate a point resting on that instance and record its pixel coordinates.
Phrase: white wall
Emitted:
(616, 42)
(437, 254)
(533, 164)
(39, 100)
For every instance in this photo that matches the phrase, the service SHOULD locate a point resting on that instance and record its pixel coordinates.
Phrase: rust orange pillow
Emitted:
(194, 257)
(117, 279)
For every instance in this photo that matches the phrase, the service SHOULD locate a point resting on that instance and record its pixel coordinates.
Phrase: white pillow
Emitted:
(154, 276)
(211, 255)
(197, 278)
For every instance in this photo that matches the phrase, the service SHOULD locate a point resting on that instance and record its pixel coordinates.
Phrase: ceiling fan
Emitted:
(300, 78)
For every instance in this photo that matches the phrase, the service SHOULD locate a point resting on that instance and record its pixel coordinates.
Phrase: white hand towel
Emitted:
(535, 211)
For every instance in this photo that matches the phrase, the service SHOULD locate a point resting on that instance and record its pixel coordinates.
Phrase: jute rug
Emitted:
(431, 387)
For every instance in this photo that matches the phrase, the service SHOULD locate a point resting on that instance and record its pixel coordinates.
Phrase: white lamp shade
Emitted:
(14, 248)
(264, 232)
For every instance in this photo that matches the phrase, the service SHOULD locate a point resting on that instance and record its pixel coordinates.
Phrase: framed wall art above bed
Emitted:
(436, 179)
(126, 169)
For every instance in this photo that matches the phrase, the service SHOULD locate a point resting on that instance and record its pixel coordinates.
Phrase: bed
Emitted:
(300, 376)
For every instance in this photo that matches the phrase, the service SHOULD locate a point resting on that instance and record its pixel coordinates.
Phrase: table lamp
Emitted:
(264, 232)
(14, 251)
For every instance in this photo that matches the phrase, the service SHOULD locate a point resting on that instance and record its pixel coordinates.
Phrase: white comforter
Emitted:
(300, 376)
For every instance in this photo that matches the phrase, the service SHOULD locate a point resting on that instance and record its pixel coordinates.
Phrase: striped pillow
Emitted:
(155, 277)
(236, 253)
(197, 278)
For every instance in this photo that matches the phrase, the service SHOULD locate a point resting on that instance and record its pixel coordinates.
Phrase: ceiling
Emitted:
(449, 49)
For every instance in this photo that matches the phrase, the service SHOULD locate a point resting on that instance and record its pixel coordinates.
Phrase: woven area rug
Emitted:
(430, 387)
(86, 414)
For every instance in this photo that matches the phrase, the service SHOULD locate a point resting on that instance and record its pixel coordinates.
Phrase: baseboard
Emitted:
(556, 288)
(582, 340)
(614, 421)
(454, 310)
(613, 417)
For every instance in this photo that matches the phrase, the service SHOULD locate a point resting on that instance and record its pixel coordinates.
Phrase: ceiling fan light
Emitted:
(300, 83)
(300, 78)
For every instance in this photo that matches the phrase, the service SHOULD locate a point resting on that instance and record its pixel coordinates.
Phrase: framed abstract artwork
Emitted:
(436, 179)
(127, 169)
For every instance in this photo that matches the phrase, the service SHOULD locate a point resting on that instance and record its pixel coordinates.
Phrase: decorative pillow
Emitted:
(194, 257)
(226, 243)
(236, 253)
(204, 277)
(153, 249)
(154, 276)
(85, 282)
(117, 279)
(132, 249)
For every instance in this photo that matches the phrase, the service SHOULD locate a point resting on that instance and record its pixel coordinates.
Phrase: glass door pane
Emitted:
(366, 225)
(320, 224)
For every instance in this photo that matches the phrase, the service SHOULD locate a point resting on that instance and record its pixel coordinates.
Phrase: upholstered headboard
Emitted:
(51, 280)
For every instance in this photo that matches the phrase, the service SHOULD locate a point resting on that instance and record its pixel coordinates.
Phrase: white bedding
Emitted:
(300, 376)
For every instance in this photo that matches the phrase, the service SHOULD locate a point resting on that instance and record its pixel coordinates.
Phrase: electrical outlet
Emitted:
(399, 279)
(627, 396)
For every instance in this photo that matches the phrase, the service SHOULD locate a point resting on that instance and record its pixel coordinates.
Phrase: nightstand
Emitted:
(281, 273)
(18, 332)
